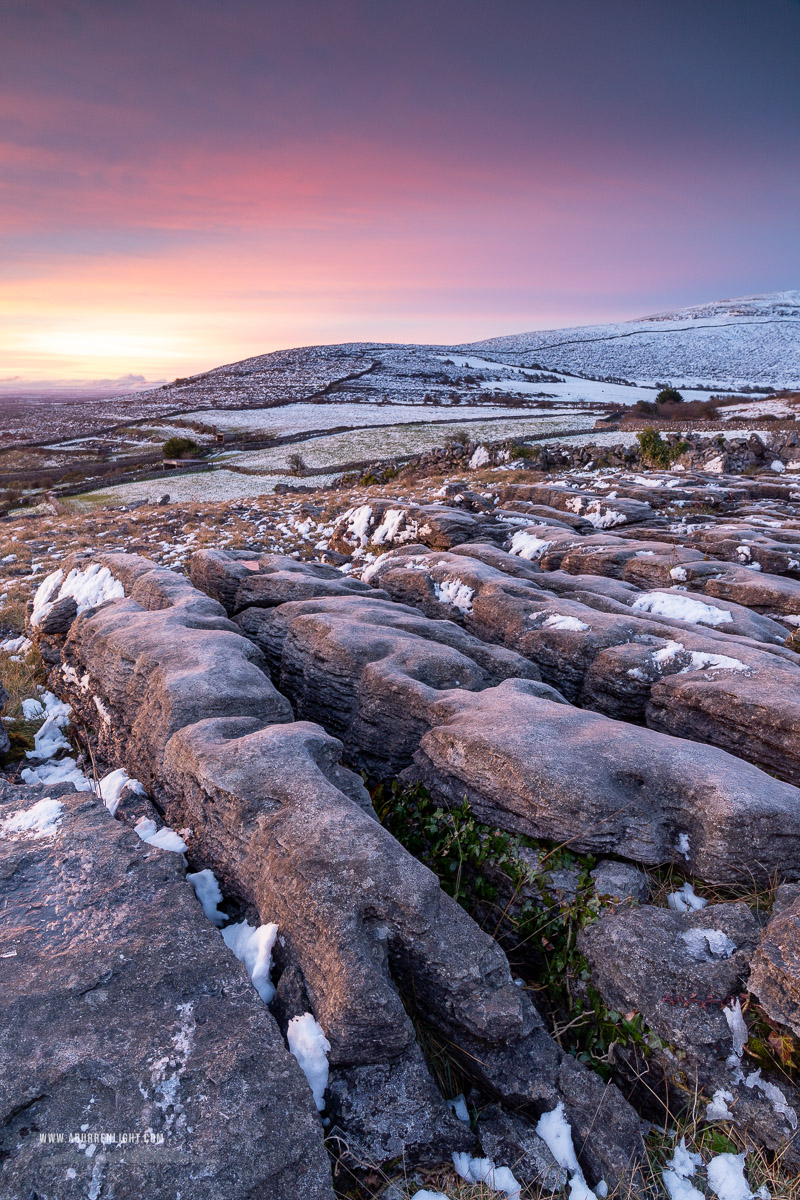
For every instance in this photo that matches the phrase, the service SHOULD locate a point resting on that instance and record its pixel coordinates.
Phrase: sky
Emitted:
(185, 183)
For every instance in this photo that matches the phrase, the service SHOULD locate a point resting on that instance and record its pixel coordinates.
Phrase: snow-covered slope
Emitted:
(748, 340)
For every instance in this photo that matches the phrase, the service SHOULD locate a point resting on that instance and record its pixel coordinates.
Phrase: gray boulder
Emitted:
(125, 1014)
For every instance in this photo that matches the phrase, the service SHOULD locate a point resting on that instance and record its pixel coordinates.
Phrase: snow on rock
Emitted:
(717, 1109)
(111, 787)
(480, 458)
(707, 945)
(686, 899)
(483, 1170)
(458, 1105)
(389, 527)
(208, 892)
(780, 1105)
(455, 592)
(358, 523)
(557, 621)
(739, 1034)
(89, 588)
(42, 820)
(164, 838)
(60, 770)
(778, 466)
(310, 1047)
(681, 607)
(425, 1194)
(603, 518)
(527, 545)
(554, 1129)
(693, 660)
(253, 946)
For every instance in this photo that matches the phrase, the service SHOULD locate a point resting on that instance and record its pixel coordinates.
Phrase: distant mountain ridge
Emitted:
(747, 339)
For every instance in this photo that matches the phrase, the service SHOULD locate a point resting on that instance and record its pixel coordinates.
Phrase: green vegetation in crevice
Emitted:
(506, 883)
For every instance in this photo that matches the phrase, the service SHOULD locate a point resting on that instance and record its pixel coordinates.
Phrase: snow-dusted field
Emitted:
(364, 445)
(203, 486)
(304, 418)
(752, 339)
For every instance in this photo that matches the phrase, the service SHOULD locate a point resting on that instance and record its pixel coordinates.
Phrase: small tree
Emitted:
(181, 447)
(296, 463)
(669, 395)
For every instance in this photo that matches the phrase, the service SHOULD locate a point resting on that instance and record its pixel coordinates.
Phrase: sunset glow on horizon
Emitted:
(187, 184)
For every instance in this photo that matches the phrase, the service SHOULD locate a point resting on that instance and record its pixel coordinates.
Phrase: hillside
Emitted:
(749, 340)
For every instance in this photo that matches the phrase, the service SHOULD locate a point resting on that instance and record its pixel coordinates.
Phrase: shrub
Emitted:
(458, 437)
(655, 451)
(181, 447)
(296, 463)
(669, 395)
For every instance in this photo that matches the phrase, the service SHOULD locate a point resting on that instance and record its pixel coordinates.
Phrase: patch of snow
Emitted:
(253, 946)
(738, 1028)
(389, 527)
(358, 523)
(681, 607)
(557, 621)
(712, 662)
(717, 1109)
(604, 518)
(480, 458)
(61, 770)
(89, 588)
(112, 786)
(455, 592)
(554, 1129)
(528, 546)
(679, 1170)
(780, 1105)
(726, 1177)
(164, 838)
(682, 844)
(483, 1170)
(708, 945)
(208, 892)
(18, 645)
(678, 573)
(686, 899)
(459, 1106)
(310, 1047)
(778, 466)
(42, 820)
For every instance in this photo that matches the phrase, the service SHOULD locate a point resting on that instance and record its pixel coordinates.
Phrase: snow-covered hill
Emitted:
(728, 343)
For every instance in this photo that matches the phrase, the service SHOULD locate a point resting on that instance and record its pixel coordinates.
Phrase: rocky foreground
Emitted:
(216, 955)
